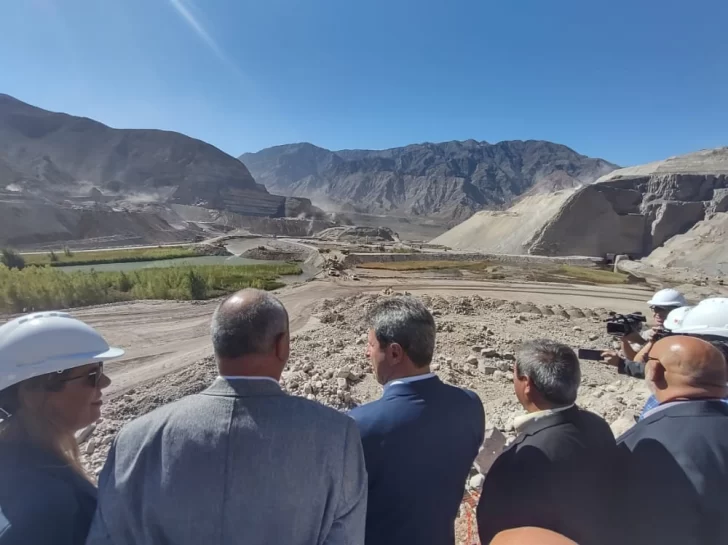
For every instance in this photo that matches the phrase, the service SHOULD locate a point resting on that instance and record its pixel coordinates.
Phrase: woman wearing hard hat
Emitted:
(51, 377)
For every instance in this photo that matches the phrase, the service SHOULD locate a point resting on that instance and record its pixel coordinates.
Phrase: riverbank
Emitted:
(44, 288)
(66, 258)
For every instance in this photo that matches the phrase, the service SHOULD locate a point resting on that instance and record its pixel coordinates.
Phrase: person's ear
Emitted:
(527, 385)
(658, 374)
(396, 353)
(283, 346)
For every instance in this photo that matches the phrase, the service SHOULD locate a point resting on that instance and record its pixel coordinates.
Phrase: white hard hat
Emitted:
(675, 318)
(48, 342)
(709, 317)
(668, 298)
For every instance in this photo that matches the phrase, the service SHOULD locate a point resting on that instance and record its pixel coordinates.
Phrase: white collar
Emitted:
(520, 421)
(405, 380)
(247, 378)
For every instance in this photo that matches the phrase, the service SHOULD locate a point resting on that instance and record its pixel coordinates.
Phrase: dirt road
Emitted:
(162, 336)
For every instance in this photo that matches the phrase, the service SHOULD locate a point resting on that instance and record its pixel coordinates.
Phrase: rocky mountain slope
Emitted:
(56, 155)
(631, 211)
(450, 180)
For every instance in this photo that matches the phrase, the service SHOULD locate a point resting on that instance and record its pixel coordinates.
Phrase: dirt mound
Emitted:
(509, 231)
(359, 234)
(477, 340)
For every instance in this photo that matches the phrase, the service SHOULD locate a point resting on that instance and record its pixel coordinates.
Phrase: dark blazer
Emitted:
(678, 474)
(555, 475)
(42, 500)
(420, 440)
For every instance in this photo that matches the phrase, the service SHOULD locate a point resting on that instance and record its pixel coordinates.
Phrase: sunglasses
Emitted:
(661, 309)
(93, 377)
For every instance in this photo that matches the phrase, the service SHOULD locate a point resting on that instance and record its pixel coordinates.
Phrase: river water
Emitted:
(177, 262)
(236, 247)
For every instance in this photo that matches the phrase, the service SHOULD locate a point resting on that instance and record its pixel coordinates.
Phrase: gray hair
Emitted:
(407, 322)
(250, 328)
(553, 367)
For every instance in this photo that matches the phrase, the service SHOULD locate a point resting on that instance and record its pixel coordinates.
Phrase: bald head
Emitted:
(530, 536)
(680, 366)
(249, 322)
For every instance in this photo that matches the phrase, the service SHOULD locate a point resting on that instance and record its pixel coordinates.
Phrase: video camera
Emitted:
(624, 324)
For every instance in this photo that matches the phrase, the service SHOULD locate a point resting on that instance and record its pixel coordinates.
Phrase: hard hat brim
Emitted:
(110, 354)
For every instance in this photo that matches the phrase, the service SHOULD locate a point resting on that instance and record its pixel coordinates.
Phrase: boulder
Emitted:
(493, 444)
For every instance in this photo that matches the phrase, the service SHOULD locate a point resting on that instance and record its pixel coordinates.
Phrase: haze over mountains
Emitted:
(72, 179)
(46, 153)
(450, 180)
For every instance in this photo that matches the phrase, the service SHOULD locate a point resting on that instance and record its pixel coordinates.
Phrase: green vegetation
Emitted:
(11, 259)
(109, 256)
(528, 272)
(427, 265)
(41, 288)
(592, 275)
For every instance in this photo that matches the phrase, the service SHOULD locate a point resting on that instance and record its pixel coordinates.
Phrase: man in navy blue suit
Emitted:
(420, 438)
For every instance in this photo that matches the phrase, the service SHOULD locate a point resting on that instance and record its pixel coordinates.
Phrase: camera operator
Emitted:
(708, 320)
(631, 361)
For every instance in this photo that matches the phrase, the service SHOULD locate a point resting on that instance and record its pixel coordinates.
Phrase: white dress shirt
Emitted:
(520, 421)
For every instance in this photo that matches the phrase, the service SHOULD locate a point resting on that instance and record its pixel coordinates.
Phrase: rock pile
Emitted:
(476, 347)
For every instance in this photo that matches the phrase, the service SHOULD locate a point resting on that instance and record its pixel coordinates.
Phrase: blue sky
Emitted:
(629, 81)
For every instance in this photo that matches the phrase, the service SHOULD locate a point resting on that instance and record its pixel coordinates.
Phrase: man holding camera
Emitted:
(632, 360)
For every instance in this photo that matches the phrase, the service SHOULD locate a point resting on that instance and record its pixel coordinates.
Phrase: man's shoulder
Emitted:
(709, 417)
(368, 410)
(562, 432)
(593, 421)
(193, 407)
(459, 392)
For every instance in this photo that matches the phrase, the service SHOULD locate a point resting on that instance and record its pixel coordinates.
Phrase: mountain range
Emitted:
(450, 180)
(55, 155)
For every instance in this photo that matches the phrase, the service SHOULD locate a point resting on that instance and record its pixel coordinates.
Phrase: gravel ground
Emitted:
(477, 338)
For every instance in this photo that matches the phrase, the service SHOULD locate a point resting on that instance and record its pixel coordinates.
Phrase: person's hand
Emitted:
(644, 353)
(633, 337)
(611, 357)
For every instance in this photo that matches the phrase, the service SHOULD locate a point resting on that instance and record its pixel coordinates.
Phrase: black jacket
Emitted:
(42, 500)
(678, 478)
(556, 475)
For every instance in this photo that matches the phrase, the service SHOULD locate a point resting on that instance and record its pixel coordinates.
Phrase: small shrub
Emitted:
(67, 252)
(124, 284)
(12, 259)
(198, 286)
(53, 257)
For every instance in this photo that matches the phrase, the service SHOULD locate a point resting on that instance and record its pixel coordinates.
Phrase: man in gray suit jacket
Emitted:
(241, 462)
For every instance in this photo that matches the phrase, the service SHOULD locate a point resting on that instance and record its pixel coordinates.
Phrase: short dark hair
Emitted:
(553, 367)
(251, 329)
(406, 321)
